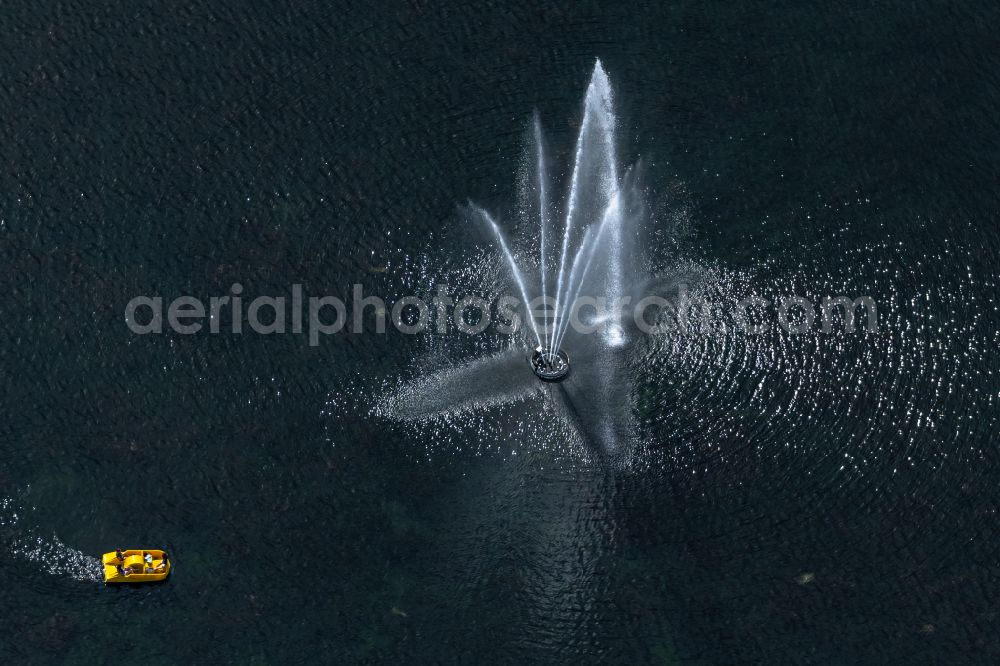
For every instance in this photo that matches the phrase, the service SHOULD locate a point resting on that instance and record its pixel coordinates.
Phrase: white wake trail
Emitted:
(50, 554)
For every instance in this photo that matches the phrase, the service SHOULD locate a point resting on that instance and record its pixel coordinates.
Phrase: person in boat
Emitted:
(119, 554)
(121, 570)
(162, 566)
(148, 559)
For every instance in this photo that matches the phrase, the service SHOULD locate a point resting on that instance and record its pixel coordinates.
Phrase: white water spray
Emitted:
(592, 225)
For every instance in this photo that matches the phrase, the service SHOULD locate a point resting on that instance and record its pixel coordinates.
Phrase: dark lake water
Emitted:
(811, 499)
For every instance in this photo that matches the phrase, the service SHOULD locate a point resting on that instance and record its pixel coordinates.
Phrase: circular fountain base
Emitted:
(549, 366)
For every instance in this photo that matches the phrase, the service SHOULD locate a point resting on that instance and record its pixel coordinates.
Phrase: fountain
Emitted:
(592, 233)
(549, 365)
(580, 279)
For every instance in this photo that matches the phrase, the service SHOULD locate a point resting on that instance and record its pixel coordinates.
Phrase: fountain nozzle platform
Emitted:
(548, 365)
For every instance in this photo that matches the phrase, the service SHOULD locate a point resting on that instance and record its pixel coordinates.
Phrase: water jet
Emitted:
(573, 266)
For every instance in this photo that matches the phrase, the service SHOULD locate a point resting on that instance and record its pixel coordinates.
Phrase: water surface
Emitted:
(791, 500)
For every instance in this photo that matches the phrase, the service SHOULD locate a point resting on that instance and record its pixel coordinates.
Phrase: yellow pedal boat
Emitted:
(136, 566)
